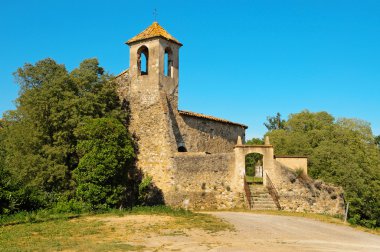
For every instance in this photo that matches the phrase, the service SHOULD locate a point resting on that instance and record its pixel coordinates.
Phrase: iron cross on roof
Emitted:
(155, 14)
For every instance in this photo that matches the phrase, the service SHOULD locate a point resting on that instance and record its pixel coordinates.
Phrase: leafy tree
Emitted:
(106, 157)
(377, 141)
(39, 140)
(341, 152)
(252, 159)
(275, 122)
(13, 195)
(4, 176)
(255, 141)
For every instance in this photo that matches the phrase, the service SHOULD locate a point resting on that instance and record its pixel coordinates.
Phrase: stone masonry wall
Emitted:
(149, 118)
(203, 181)
(302, 194)
(204, 135)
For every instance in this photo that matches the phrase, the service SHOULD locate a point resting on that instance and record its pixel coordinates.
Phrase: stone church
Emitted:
(196, 160)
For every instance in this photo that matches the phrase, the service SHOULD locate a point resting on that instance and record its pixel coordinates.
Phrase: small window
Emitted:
(142, 60)
(182, 149)
(168, 62)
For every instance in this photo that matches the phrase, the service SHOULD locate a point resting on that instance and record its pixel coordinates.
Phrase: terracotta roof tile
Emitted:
(126, 71)
(153, 31)
(188, 113)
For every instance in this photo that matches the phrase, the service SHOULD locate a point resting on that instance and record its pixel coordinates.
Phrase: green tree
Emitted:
(377, 141)
(39, 139)
(275, 122)
(341, 152)
(105, 167)
(252, 159)
(4, 176)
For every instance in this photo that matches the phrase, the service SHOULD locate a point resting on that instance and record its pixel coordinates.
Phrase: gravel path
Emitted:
(259, 232)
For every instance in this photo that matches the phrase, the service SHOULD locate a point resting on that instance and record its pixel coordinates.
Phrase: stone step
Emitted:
(264, 208)
(263, 203)
(267, 195)
(270, 201)
(259, 191)
(261, 199)
(262, 195)
(257, 187)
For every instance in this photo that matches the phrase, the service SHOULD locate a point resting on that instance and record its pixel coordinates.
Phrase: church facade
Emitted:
(197, 161)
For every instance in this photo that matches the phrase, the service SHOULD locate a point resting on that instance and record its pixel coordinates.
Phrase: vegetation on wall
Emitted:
(340, 151)
(66, 143)
(253, 159)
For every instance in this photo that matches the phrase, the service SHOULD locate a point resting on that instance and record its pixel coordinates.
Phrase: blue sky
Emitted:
(241, 60)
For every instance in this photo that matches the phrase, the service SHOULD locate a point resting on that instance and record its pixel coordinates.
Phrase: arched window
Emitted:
(168, 62)
(142, 60)
(182, 149)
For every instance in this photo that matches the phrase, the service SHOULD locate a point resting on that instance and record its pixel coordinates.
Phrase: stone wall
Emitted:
(303, 194)
(149, 118)
(204, 181)
(205, 135)
(293, 163)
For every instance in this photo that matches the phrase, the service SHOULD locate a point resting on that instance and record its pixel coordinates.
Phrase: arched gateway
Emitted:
(241, 150)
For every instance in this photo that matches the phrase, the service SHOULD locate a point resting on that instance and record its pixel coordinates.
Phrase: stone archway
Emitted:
(267, 188)
(242, 150)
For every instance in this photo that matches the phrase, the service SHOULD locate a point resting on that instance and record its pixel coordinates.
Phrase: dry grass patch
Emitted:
(105, 232)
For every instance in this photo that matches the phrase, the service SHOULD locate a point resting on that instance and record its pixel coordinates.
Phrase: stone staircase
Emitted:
(260, 198)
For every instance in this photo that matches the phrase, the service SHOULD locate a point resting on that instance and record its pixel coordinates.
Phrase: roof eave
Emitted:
(131, 41)
(197, 115)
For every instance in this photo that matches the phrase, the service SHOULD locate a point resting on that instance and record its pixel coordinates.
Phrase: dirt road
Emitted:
(258, 232)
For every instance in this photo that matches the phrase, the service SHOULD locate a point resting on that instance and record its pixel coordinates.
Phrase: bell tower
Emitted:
(154, 63)
(153, 102)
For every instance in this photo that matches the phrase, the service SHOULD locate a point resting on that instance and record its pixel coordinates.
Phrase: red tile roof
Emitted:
(153, 31)
(188, 113)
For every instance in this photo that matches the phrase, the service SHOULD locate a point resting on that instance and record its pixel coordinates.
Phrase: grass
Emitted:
(117, 230)
(252, 179)
(114, 230)
(58, 235)
(35, 217)
(51, 214)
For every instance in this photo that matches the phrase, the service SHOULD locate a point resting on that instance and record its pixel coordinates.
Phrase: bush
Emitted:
(149, 194)
(72, 206)
(298, 172)
(106, 159)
